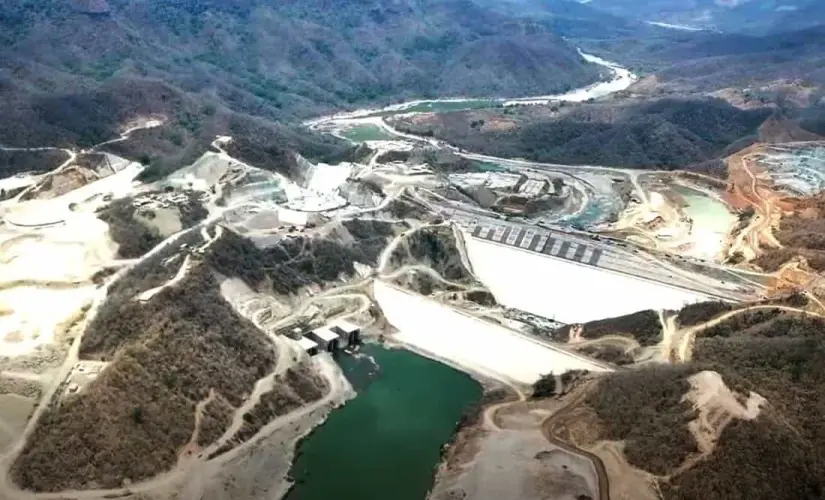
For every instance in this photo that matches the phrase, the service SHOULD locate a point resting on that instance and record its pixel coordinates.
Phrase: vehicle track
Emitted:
(548, 428)
(687, 336)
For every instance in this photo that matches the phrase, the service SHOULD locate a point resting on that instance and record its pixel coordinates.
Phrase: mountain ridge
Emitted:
(279, 60)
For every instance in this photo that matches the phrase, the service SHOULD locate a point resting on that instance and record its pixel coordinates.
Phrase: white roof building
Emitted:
(307, 344)
(534, 187)
(346, 326)
(325, 334)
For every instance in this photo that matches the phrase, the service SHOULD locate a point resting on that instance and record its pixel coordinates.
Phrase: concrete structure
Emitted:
(308, 345)
(349, 332)
(326, 339)
(492, 180)
(576, 278)
(614, 256)
(534, 187)
(433, 328)
(292, 217)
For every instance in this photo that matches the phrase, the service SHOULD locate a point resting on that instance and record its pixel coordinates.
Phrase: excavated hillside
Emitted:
(182, 362)
(737, 419)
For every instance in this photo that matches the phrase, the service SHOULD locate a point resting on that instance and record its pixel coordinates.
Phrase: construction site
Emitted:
(213, 317)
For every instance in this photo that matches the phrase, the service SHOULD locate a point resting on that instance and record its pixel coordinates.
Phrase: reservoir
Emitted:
(387, 441)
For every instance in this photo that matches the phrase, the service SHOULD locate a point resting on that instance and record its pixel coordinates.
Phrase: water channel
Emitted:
(387, 441)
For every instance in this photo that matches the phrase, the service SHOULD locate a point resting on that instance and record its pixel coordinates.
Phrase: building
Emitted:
(326, 339)
(349, 332)
(308, 345)
(534, 187)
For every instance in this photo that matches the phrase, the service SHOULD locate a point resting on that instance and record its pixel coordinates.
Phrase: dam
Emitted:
(570, 280)
(471, 344)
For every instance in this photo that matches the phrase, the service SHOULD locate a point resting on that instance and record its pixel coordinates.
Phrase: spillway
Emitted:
(566, 290)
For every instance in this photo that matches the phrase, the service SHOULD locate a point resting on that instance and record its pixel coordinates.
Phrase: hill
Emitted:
(568, 18)
(731, 16)
(191, 344)
(800, 233)
(73, 74)
(668, 133)
(716, 426)
(684, 61)
(178, 349)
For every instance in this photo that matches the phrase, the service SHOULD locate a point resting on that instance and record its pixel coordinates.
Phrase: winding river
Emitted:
(621, 79)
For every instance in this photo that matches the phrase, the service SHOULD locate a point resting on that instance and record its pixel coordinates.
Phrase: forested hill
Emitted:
(664, 133)
(708, 61)
(277, 59)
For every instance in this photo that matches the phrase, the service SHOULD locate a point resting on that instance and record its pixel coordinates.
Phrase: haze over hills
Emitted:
(569, 18)
(723, 15)
(704, 62)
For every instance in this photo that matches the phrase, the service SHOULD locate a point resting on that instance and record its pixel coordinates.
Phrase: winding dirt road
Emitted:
(687, 336)
(555, 423)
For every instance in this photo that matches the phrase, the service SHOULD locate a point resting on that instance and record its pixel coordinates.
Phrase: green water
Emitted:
(442, 107)
(386, 442)
(446, 107)
(707, 212)
(485, 166)
(363, 133)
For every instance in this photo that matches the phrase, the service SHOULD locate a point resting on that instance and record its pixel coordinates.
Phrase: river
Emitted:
(621, 79)
(386, 442)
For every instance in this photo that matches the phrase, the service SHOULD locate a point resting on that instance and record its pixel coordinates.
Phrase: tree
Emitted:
(545, 386)
(137, 415)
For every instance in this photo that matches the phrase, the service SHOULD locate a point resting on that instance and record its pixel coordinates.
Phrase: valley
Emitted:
(410, 249)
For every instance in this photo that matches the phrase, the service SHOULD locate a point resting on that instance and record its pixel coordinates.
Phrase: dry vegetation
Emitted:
(134, 237)
(298, 386)
(802, 233)
(777, 456)
(168, 354)
(701, 312)
(435, 248)
(780, 455)
(642, 326)
(105, 334)
(669, 133)
(215, 419)
(608, 352)
(21, 387)
(17, 162)
(298, 261)
(646, 409)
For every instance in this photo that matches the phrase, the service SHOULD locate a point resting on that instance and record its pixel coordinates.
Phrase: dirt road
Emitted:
(556, 421)
(686, 337)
